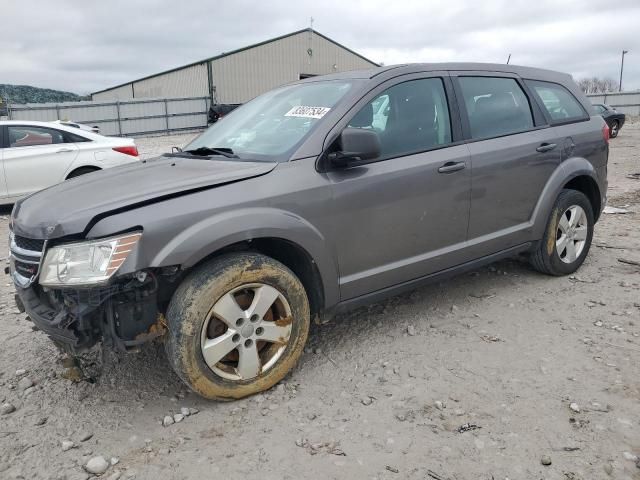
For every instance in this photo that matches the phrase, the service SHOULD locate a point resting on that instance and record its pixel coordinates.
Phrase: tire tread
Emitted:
(182, 326)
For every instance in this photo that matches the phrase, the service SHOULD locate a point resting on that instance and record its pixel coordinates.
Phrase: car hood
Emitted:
(69, 208)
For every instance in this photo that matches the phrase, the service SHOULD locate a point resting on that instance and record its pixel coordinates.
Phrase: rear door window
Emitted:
(495, 106)
(559, 102)
(28, 136)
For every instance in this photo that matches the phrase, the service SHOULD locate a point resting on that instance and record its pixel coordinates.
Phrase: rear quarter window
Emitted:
(73, 138)
(559, 102)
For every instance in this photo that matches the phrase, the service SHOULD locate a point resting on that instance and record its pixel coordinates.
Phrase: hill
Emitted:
(29, 94)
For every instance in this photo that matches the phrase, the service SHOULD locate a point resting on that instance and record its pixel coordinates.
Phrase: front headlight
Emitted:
(86, 263)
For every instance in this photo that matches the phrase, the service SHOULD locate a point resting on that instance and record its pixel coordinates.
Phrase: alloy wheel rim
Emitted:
(571, 234)
(246, 331)
(614, 129)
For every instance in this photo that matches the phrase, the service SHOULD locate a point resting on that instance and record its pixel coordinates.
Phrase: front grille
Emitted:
(27, 270)
(26, 255)
(29, 243)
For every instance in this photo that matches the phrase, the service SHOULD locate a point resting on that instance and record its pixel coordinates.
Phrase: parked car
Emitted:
(36, 155)
(614, 119)
(81, 126)
(297, 207)
(217, 111)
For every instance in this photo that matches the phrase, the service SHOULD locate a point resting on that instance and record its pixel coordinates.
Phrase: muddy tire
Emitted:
(568, 235)
(247, 304)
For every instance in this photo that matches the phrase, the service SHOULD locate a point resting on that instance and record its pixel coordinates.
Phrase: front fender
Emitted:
(197, 241)
(569, 169)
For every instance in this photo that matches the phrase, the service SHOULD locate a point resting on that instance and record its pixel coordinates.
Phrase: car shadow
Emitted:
(427, 304)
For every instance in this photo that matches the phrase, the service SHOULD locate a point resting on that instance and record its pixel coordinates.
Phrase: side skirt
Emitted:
(384, 293)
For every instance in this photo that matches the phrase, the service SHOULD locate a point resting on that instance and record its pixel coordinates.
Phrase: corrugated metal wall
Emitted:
(625, 102)
(187, 82)
(124, 92)
(241, 76)
(126, 117)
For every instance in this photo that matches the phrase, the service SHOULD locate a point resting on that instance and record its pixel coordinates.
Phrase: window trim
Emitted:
(539, 120)
(322, 164)
(3, 136)
(545, 112)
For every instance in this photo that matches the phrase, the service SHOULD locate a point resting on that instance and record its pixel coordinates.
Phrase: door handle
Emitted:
(450, 167)
(546, 147)
(65, 150)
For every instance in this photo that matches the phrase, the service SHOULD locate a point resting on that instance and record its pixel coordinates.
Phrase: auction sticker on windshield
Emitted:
(307, 112)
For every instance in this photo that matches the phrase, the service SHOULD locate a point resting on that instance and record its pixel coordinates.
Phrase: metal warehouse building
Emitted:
(240, 75)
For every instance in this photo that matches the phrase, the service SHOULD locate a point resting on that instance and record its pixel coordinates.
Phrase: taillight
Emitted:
(128, 150)
(606, 133)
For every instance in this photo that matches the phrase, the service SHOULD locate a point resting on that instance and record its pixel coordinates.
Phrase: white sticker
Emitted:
(307, 112)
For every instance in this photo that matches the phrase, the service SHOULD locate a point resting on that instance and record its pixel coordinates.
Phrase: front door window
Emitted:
(409, 117)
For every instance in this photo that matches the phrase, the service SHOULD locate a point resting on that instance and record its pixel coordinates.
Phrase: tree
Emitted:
(598, 85)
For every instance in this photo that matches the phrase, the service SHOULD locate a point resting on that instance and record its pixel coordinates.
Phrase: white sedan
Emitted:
(36, 155)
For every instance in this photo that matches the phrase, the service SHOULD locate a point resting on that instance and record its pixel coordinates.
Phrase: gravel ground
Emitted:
(499, 374)
(153, 146)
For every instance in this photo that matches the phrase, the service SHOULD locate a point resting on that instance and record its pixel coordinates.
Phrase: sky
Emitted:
(85, 46)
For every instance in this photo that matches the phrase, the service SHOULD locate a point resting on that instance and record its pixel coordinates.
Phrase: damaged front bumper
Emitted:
(123, 315)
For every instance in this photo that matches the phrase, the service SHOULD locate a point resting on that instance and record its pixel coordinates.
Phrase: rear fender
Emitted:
(566, 171)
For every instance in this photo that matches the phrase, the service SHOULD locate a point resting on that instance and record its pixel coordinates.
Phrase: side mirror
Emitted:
(357, 145)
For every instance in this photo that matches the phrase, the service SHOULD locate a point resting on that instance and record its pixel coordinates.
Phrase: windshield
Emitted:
(274, 123)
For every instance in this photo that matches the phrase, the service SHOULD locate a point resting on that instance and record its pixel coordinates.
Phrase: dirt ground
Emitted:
(480, 377)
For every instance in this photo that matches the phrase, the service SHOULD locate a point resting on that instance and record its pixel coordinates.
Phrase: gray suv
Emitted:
(311, 199)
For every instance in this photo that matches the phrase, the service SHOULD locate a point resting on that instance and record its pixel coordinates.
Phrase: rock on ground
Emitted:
(97, 465)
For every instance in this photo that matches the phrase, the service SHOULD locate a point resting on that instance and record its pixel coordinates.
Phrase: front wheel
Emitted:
(237, 325)
(568, 235)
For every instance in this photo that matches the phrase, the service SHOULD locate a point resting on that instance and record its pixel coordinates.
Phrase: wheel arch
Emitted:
(575, 173)
(280, 235)
(290, 254)
(587, 185)
(90, 168)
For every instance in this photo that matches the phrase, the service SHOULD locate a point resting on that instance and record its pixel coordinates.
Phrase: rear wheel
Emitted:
(82, 171)
(568, 235)
(615, 129)
(237, 325)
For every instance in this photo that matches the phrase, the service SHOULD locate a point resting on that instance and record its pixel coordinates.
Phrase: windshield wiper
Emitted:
(224, 151)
